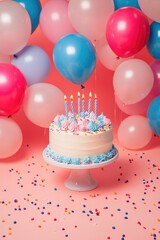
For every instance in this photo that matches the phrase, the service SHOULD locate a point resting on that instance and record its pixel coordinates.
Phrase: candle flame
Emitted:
(82, 96)
(95, 96)
(90, 94)
(78, 94)
(65, 98)
(71, 97)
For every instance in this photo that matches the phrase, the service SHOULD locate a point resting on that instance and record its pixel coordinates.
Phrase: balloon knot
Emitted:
(118, 57)
(82, 87)
(9, 116)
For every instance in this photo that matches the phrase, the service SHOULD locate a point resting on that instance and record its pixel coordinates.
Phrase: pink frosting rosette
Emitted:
(65, 124)
(73, 127)
(83, 125)
(106, 121)
(56, 119)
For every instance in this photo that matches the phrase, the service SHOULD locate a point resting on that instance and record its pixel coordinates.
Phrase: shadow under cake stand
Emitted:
(79, 178)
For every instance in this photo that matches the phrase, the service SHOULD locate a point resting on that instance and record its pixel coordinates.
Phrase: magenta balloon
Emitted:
(54, 21)
(151, 9)
(15, 27)
(127, 31)
(10, 137)
(132, 81)
(134, 132)
(89, 17)
(42, 103)
(155, 66)
(12, 89)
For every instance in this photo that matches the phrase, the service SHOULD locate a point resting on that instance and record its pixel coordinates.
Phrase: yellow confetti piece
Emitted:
(158, 219)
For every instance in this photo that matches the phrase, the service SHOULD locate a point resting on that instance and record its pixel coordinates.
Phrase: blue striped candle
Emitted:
(95, 105)
(79, 103)
(66, 106)
(89, 102)
(83, 106)
(72, 105)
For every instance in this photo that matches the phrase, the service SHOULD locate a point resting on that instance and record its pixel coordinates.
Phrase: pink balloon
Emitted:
(54, 21)
(10, 137)
(127, 31)
(106, 56)
(151, 9)
(155, 66)
(42, 103)
(137, 108)
(12, 89)
(89, 17)
(4, 58)
(132, 81)
(15, 27)
(134, 132)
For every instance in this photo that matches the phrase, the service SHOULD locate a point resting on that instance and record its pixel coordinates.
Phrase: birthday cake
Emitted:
(82, 138)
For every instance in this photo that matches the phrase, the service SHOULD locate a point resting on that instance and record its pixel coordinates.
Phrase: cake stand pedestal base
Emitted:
(80, 180)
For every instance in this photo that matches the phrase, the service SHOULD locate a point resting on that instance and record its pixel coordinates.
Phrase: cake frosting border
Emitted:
(104, 157)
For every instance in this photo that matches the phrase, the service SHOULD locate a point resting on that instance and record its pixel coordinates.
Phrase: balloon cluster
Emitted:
(81, 31)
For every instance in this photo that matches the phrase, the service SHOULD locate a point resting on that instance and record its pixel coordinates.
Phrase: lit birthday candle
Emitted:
(89, 102)
(83, 106)
(72, 105)
(66, 105)
(79, 103)
(95, 105)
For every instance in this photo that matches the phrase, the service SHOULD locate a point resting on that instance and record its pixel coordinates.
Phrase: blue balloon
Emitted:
(125, 3)
(75, 58)
(153, 44)
(34, 63)
(153, 115)
(33, 7)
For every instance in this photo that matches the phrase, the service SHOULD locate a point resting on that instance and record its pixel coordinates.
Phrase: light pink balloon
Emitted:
(15, 27)
(151, 8)
(4, 58)
(54, 20)
(89, 17)
(134, 132)
(106, 56)
(10, 137)
(132, 81)
(42, 103)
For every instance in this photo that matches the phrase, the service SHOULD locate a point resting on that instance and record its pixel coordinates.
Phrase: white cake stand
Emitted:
(79, 178)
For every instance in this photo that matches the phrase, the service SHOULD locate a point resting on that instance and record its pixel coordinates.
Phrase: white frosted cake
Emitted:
(81, 139)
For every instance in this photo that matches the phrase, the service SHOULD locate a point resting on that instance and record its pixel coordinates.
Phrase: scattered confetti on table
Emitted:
(34, 204)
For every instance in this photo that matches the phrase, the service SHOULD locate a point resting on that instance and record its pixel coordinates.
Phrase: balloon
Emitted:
(106, 56)
(151, 9)
(4, 58)
(89, 17)
(34, 63)
(10, 137)
(54, 20)
(136, 108)
(42, 103)
(132, 81)
(34, 9)
(153, 45)
(125, 3)
(15, 27)
(12, 89)
(134, 132)
(155, 66)
(127, 31)
(74, 57)
(153, 115)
